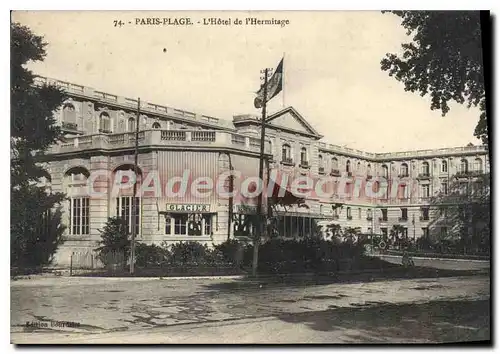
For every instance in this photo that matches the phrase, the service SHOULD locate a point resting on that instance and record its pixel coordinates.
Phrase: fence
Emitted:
(90, 262)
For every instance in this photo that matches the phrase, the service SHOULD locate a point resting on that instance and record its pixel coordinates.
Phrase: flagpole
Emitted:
(260, 222)
(284, 83)
(134, 201)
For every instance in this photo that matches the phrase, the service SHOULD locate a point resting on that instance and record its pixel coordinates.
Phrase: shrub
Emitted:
(151, 255)
(191, 252)
(115, 245)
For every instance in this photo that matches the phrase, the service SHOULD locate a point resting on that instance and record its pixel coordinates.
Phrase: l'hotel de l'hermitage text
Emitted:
(204, 21)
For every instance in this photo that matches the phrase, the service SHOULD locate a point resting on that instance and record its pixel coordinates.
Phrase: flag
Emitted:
(274, 86)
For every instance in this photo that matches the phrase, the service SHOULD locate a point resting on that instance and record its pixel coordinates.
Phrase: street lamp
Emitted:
(414, 235)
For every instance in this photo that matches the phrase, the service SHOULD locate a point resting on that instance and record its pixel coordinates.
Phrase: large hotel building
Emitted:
(92, 166)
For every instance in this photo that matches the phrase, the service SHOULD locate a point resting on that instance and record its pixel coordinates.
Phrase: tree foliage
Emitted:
(33, 130)
(465, 211)
(114, 243)
(442, 60)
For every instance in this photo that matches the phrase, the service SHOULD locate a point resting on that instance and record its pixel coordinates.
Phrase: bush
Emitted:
(190, 253)
(115, 245)
(151, 255)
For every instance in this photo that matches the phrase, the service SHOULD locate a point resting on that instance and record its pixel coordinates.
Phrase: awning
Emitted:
(282, 195)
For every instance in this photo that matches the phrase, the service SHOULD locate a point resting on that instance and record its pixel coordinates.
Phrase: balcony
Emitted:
(382, 219)
(466, 174)
(403, 219)
(425, 175)
(403, 175)
(424, 218)
(66, 126)
(287, 161)
(349, 217)
(105, 131)
(304, 164)
(349, 174)
(159, 138)
(321, 170)
(335, 173)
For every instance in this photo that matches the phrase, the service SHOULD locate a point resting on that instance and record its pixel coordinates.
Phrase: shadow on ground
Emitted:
(379, 322)
(394, 273)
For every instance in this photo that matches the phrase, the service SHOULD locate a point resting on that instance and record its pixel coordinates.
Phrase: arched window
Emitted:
(478, 165)
(385, 171)
(156, 125)
(131, 125)
(320, 163)
(69, 116)
(75, 185)
(303, 156)
(444, 166)
(128, 208)
(286, 155)
(425, 168)
(464, 166)
(403, 171)
(348, 166)
(104, 123)
(335, 163)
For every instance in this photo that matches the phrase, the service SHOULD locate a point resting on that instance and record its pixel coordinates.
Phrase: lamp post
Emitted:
(414, 235)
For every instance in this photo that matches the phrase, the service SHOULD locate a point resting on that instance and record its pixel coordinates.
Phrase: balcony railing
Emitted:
(287, 161)
(424, 218)
(425, 175)
(304, 164)
(158, 137)
(321, 170)
(382, 219)
(403, 175)
(403, 219)
(349, 174)
(70, 126)
(335, 172)
(349, 217)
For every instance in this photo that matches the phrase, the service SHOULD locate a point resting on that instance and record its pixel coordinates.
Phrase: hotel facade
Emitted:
(180, 150)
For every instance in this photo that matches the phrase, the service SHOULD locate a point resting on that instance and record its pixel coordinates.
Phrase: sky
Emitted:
(331, 67)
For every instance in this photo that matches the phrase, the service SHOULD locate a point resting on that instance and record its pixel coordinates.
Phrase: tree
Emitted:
(397, 232)
(114, 243)
(443, 60)
(465, 212)
(33, 131)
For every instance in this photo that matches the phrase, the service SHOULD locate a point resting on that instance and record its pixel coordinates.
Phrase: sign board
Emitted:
(188, 208)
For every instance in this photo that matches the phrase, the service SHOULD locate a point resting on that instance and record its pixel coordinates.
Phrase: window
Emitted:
(348, 166)
(286, 153)
(425, 232)
(69, 114)
(359, 213)
(463, 166)
(444, 166)
(156, 125)
(443, 231)
(335, 163)
(168, 225)
(349, 216)
(425, 191)
(444, 188)
(403, 171)
(79, 216)
(207, 221)
(424, 213)
(463, 188)
(369, 170)
(384, 232)
(405, 232)
(303, 156)
(180, 224)
(404, 214)
(194, 224)
(443, 212)
(369, 214)
(403, 191)
(385, 171)
(478, 165)
(104, 123)
(320, 163)
(124, 211)
(384, 214)
(131, 125)
(425, 168)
